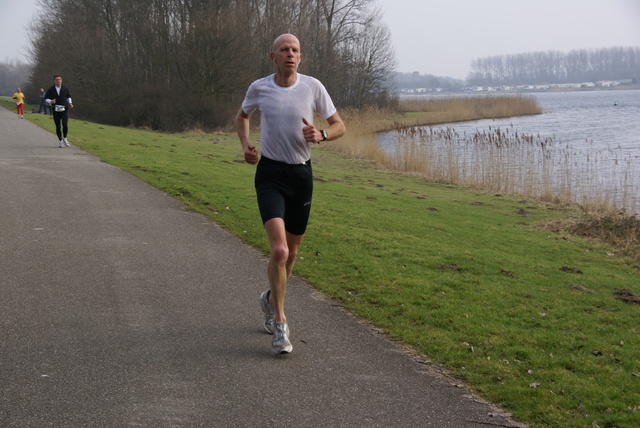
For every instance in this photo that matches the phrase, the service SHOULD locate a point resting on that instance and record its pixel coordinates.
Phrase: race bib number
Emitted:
(59, 108)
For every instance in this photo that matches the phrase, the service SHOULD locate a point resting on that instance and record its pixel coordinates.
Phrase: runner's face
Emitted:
(58, 81)
(287, 55)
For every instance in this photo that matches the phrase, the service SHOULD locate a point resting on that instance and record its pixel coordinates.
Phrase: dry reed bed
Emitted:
(502, 160)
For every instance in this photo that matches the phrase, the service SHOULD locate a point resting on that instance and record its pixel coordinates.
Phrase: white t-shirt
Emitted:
(281, 113)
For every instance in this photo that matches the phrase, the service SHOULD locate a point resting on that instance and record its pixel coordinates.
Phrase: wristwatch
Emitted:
(324, 135)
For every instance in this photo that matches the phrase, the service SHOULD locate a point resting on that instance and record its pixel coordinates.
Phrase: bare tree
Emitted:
(175, 64)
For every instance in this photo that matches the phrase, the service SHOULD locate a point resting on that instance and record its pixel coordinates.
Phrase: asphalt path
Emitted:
(119, 308)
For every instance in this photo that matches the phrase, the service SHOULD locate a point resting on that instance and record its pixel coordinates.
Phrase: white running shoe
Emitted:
(61, 144)
(268, 310)
(66, 143)
(280, 343)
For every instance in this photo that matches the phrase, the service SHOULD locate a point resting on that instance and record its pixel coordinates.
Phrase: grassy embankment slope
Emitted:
(527, 317)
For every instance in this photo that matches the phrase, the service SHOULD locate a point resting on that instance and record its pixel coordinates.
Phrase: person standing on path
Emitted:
(60, 99)
(19, 97)
(287, 101)
(43, 102)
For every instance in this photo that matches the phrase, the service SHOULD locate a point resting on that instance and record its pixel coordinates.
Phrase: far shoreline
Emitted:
(519, 91)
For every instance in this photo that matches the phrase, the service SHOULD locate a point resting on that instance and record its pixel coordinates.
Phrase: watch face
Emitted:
(324, 134)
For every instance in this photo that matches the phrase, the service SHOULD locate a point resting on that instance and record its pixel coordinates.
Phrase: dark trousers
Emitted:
(44, 105)
(61, 117)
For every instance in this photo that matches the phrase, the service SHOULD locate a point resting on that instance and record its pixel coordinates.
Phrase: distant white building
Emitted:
(608, 83)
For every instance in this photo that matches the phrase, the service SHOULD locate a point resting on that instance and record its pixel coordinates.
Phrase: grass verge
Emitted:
(526, 317)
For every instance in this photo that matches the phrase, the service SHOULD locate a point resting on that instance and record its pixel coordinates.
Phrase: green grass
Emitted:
(466, 278)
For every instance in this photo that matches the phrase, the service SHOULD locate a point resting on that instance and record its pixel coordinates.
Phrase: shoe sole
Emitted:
(286, 350)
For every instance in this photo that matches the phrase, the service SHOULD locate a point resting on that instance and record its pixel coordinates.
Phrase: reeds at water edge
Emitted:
(456, 109)
(502, 160)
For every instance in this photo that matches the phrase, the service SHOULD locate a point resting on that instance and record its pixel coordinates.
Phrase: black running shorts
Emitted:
(284, 191)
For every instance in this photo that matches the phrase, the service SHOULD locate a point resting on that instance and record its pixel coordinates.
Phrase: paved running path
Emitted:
(119, 308)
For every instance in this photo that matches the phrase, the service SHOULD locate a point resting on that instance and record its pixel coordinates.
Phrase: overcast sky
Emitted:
(441, 37)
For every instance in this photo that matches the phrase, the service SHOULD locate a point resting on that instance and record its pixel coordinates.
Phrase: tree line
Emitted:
(616, 63)
(179, 64)
(415, 80)
(12, 76)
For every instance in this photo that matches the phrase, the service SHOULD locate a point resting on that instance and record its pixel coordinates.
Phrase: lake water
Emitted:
(594, 137)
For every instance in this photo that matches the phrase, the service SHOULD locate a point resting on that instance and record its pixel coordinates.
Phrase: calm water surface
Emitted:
(599, 130)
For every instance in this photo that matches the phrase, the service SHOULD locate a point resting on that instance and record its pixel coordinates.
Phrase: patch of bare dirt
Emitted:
(627, 296)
